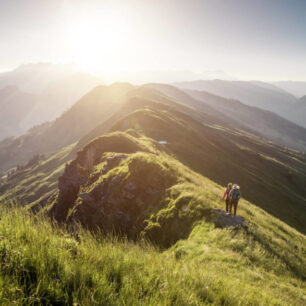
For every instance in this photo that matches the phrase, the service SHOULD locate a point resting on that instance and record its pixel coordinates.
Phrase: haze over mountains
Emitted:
(296, 88)
(263, 95)
(35, 93)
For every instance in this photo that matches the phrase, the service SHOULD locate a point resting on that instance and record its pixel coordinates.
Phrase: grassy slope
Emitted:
(263, 264)
(264, 123)
(34, 183)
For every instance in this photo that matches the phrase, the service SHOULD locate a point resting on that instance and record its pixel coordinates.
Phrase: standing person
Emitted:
(234, 196)
(226, 197)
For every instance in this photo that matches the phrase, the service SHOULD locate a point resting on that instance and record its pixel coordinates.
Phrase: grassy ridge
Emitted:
(43, 263)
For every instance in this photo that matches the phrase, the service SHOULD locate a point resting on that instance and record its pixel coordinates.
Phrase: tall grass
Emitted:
(42, 263)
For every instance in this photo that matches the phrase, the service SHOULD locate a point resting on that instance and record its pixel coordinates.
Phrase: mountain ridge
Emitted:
(258, 94)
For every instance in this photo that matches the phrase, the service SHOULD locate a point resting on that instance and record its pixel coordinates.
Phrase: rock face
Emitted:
(79, 171)
(114, 191)
(222, 219)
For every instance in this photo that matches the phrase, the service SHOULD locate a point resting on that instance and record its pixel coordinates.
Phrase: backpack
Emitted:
(235, 194)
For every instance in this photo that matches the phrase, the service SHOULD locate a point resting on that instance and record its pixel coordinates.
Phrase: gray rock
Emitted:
(222, 219)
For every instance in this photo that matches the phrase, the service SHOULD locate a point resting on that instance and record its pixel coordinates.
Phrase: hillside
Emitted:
(209, 149)
(260, 263)
(238, 115)
(222, 154)
(258, 94)
(263, 123)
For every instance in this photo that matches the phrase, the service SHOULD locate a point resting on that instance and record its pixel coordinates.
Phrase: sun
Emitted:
(99, 41)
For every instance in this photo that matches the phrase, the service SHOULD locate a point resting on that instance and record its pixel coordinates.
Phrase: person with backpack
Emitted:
(226, 196)
(234, 196)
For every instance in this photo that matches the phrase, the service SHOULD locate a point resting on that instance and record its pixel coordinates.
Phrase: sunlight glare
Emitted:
(96, 41)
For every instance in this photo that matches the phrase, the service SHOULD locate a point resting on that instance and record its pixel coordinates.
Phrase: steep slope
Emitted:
(83, 116)
(263, 123)
(37, 180)
(260, 264)
(149, 95)
(238, 115)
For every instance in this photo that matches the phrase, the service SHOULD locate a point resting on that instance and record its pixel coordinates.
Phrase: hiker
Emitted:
(226, 196)
(234, 196)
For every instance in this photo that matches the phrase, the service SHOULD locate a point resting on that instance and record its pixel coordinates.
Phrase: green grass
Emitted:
(33, 183)
(43, 263)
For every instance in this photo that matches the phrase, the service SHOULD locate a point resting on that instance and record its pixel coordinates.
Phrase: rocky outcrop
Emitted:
(112, 186)
(79, 171)
(126, 190)
(222, 219)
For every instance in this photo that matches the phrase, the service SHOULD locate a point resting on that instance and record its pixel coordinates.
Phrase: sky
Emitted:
(246, 39)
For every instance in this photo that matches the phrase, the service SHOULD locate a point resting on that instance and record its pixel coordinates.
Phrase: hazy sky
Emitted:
(262, 39)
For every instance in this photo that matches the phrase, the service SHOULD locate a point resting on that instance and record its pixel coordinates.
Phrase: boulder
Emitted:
(222, 219)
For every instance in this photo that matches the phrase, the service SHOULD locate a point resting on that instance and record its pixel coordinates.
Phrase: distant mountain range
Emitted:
(196, 132)
(296, 88)
(254, 93)
(35, 93)
(79, 119)
(102, 103)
